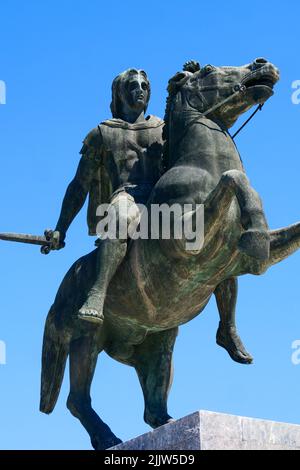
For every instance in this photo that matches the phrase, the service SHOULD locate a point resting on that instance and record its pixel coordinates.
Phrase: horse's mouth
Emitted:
(267, 80)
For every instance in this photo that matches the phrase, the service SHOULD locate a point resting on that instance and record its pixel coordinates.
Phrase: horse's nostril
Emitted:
(260, 60)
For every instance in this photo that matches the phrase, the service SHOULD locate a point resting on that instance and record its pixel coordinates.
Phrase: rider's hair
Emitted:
(118, 87)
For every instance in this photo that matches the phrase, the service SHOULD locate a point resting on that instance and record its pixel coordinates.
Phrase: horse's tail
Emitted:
(55, 353)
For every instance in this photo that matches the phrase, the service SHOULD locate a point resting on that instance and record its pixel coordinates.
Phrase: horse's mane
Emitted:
(174, 85)
(171, 93)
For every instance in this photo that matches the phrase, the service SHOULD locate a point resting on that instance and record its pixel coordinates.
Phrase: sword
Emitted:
(46, 241)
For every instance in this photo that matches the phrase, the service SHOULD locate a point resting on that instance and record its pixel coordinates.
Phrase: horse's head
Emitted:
(227, 91)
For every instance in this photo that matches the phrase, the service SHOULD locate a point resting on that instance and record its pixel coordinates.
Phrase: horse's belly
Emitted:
(156, 292)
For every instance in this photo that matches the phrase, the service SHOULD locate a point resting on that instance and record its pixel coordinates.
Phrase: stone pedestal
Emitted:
(205, 430)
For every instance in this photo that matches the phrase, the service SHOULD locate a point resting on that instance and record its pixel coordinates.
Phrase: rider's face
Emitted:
(137, 92)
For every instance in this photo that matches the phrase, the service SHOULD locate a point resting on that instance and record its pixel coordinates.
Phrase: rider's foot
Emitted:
(255, 243)
(92, 310)
(228, 339)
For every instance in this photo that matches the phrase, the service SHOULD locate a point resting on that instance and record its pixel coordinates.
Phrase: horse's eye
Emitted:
(208, 68)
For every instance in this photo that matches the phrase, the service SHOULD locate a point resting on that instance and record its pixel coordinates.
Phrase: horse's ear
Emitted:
(177, 81)
(191, 66)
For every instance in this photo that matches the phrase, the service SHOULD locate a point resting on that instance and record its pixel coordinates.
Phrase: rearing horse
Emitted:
(160, 285)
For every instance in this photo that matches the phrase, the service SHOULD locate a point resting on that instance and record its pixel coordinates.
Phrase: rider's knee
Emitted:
(128, 218)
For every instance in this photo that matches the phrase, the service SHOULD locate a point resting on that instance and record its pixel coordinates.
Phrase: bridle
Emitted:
(237, 89)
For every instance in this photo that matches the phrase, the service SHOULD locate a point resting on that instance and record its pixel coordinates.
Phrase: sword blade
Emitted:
(24, 238)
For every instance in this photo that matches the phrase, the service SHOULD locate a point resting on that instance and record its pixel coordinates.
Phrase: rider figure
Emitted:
(121, 161)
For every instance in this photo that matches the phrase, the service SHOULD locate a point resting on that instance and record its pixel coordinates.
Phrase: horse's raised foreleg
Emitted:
(284, 242)
(227, 336)
(153, 362)
(83, 358)
(255, 241)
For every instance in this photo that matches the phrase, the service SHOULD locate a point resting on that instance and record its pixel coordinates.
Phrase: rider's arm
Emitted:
(78, 189)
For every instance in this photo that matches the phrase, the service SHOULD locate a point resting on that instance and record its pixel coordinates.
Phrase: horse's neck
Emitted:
(204, 143)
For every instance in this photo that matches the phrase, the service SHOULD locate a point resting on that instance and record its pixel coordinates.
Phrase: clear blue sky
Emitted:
(58, 60)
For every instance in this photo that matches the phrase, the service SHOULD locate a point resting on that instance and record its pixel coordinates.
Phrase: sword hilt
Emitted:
(45, 249)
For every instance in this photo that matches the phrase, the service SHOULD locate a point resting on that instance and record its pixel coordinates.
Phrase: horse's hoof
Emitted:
(155, 421)
(103, 444)
(230, 340)
(91, 315)
(256, 244)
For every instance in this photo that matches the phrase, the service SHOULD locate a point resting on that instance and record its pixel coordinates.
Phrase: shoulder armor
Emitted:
(93, 141)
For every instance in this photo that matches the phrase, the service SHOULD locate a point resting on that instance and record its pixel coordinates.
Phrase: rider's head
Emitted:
(130, 88)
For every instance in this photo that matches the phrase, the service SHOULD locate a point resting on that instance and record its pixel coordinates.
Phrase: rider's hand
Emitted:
(56, 239)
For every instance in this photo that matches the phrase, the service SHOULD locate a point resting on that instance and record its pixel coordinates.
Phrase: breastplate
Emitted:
(125, 156)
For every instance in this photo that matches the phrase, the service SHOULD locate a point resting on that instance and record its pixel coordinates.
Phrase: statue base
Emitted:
(205, 430)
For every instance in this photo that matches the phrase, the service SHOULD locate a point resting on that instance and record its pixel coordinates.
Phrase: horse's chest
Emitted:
(213, 151)
(227, 157)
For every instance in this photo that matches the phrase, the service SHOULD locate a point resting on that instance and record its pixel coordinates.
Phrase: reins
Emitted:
(259, 108)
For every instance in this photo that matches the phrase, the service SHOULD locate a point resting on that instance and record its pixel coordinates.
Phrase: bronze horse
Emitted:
(160, 285)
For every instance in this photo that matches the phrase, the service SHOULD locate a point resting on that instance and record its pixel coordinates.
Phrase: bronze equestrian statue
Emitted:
(160, 285)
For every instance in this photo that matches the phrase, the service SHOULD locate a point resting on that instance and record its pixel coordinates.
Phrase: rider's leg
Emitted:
(227, 336)
(111, 253)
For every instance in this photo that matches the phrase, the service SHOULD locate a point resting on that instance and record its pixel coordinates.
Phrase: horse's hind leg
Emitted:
(83, 358)
(227, 336)
(255, 241)
(153, 362)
